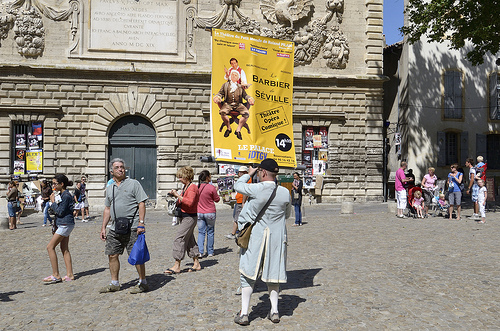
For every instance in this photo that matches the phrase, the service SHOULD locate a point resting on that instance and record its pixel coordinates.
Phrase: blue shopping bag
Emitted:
(139, 253)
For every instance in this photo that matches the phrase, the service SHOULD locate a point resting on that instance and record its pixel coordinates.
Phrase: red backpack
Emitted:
(482, 170)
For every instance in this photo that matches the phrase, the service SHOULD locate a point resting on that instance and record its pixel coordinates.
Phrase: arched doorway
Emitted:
(133, 139)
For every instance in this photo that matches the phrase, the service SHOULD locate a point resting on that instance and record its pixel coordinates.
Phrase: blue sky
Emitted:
(393, 19)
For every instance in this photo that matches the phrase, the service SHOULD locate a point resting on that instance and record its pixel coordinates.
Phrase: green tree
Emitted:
(457, 21)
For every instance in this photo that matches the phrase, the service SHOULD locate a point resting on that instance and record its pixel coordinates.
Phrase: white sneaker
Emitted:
(230, 236)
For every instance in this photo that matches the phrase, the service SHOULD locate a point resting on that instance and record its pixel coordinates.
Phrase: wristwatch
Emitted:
(141, 221)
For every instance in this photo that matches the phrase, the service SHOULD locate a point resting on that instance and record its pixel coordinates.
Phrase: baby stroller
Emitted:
(412, 212)
(437, 208)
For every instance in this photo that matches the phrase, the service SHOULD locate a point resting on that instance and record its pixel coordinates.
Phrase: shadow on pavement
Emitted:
(4, 297)
(286, 305)
(295, 279)
(224, 250)
(89, 272)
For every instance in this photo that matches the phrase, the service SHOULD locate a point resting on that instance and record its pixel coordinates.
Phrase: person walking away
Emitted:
(240, 201)
(206, 212)
(297, 198)
(455, 193)
(46, 192)
(184, 240)
(401, 196)
(62, 204)
(482, 195)
(85, 198)
(12, 197)
(266, 252)
(78, 202)
(125, 197)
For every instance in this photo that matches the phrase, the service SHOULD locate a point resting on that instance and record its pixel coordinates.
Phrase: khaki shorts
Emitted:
(116, 243)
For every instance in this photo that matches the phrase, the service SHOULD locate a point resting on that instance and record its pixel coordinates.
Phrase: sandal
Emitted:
(193, 269)
(51, 280)
(171, 272)
(67, 279)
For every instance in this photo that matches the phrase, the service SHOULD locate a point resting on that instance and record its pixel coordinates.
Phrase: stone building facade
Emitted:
(84, 70)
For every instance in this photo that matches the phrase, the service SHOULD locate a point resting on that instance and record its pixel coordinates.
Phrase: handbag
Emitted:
(139, 253)
(177, 211)
(243, 236)
(122, 224)
(171, 206)
(296, 195)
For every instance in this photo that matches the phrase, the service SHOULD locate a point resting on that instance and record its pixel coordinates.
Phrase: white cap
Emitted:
(243, 169)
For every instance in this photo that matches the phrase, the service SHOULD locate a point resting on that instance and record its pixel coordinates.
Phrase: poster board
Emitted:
(260, 97)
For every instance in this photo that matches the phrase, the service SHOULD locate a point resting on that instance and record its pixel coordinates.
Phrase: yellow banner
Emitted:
(34, 161)
(252, 89)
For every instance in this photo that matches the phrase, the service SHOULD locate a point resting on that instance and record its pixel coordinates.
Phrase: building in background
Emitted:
(87, 81)
(443, 109)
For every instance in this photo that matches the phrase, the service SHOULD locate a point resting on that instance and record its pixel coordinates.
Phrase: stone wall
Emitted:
(79, 99)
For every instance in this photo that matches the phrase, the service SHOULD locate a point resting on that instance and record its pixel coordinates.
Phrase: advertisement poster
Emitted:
(317, 141)
(34, 161)
(319, 167)
(225, 187)
(20, 154)
(18, 167)
(20, 140)
(33, 142)
(251, 108)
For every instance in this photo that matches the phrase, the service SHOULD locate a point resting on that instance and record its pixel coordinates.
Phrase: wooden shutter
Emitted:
(453, 94)
(441, 148)
(481, 146)
(493, 84)
(464, 146)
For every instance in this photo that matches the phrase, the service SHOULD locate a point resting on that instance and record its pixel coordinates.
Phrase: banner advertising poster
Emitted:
(252, 90)
(20, 140)
(34, 161)
(18, 167)
(319, 167)
(309, 138)
(317, 141)
(20, 154)
(33, 142)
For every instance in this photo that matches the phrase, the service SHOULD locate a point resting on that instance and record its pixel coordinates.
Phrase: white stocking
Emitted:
(273, 296)
(246, 294)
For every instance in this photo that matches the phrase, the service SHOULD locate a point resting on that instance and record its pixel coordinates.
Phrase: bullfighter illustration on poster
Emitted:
(252, 90)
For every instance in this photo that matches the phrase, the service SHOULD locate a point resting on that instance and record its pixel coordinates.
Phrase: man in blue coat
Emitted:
(266, 250)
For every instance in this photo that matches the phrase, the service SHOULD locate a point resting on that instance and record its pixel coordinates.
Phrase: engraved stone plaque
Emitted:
(143, 26)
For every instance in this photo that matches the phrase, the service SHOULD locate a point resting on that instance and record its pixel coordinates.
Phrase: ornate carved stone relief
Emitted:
(23, 17)
(318, 35)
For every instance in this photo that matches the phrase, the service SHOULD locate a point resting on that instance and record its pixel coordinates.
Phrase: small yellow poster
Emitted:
(34, 161)
(252, 90)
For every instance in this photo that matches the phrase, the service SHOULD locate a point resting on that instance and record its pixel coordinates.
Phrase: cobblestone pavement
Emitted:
(367, 270)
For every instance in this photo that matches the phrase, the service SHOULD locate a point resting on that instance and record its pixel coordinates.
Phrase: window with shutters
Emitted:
(494, 86)
(449, 147)
(493, 146)
(453, 95)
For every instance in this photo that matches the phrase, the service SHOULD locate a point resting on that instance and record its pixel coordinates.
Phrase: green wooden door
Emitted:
(133, 139)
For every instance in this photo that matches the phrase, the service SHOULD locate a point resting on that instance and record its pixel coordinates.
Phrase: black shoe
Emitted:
(227, 133)
(238, 134)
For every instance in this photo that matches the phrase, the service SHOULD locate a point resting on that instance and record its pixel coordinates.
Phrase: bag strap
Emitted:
(259, 216)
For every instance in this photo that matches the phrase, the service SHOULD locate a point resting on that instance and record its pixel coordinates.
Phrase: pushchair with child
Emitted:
(412, 212)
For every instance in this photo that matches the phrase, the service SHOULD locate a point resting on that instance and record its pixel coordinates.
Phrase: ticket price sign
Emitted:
(251, 108)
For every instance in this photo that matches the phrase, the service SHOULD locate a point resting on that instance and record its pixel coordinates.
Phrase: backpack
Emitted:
(482, 170)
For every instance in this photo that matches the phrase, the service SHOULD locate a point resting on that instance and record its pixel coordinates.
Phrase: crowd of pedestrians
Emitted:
(259, 200)
(419, 198)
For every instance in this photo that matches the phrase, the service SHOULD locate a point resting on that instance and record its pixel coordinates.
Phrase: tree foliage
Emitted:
(457, 21)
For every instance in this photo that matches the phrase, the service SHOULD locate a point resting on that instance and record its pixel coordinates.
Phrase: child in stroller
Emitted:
(442, 206)
(412, 210)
